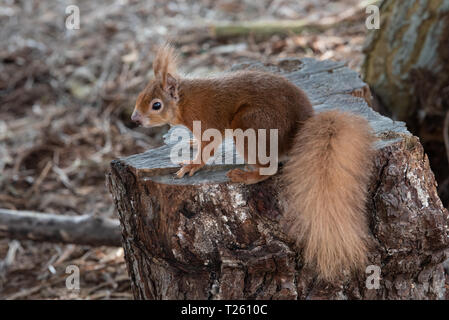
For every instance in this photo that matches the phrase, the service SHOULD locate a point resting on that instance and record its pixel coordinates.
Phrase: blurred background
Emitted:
(66, 97)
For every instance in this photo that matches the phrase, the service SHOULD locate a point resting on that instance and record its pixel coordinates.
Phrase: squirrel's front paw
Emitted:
(190, 168)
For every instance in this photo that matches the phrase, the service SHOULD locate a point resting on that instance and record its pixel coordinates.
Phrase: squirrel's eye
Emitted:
(156, 106)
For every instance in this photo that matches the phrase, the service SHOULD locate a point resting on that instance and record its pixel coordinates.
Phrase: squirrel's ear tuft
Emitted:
(165, 63)
(171, 86)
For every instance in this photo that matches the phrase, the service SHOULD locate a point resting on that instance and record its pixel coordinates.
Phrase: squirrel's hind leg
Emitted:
(247, 177)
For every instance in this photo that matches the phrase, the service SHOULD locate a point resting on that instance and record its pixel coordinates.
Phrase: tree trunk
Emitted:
(407, 67)
(202, 237)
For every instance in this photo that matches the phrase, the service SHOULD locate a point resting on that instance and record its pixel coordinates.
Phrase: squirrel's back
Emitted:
(326, 186)
(237, 86)
(262, 100)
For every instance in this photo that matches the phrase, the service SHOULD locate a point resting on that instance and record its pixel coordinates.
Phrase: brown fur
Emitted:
(326, 187)
(163, 87)
(165, 63)
(327, 175)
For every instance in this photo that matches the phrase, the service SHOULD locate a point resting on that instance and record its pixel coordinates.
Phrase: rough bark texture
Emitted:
(202, 237)
(413, 38)
(84, 230)
(407, 67)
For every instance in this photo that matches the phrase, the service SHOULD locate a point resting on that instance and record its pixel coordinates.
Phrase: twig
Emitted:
(14, 246)
(26, 292)
(39, 180)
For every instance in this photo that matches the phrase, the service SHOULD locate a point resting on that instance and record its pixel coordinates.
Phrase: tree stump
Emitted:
(202, 237)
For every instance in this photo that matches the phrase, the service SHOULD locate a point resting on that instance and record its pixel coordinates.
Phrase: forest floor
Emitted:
(66, 97)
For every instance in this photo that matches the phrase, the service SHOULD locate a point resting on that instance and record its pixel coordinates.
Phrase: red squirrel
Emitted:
(329, 153)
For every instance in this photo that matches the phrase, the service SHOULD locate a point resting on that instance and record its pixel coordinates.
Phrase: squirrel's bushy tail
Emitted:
(326, 186)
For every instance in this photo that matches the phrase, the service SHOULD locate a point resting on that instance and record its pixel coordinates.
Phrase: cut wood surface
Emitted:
(202, 237)
(47, 227)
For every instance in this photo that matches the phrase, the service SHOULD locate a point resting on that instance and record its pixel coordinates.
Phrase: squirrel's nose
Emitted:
(136, 117)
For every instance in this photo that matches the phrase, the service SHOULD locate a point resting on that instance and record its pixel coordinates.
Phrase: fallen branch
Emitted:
(264, 28)
(83, 230)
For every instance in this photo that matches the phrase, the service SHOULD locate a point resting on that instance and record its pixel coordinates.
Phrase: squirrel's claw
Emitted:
(190, 168)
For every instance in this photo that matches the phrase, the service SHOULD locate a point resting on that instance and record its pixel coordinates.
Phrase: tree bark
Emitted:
(203, 237)
(407, 67)
(83, 230)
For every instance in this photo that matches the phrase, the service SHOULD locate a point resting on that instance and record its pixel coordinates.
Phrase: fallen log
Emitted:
(262, 29)
(83, 230)
(203, 237)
